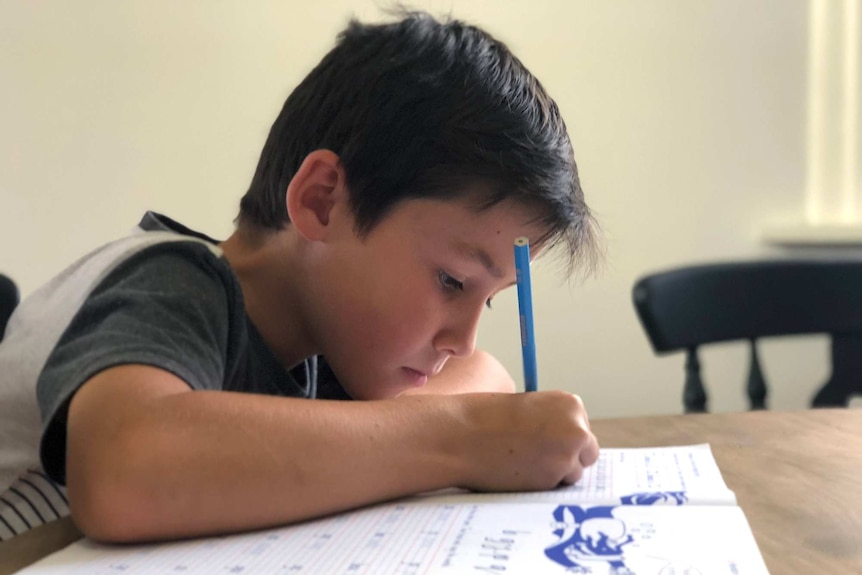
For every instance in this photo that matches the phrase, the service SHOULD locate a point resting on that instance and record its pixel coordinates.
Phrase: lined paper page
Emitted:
(621, 473)
(431, 538)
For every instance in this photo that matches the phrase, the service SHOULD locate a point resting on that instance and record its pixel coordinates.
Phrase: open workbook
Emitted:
(644, 511)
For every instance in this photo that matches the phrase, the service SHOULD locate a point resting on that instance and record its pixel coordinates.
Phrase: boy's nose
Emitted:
(458, 336)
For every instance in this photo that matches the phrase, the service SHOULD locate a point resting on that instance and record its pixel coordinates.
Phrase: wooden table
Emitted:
(35, 544)
(796, 475)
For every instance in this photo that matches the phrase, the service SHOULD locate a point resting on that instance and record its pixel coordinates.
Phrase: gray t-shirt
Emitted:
(167, 298)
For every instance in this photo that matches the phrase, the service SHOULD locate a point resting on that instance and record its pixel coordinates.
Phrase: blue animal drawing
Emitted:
(655, 498)
(591, 537)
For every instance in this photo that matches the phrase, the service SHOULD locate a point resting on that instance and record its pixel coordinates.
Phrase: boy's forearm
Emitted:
(194, 463)
(149, 459)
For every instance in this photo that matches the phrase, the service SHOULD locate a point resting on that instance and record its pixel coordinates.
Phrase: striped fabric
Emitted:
(31, 501)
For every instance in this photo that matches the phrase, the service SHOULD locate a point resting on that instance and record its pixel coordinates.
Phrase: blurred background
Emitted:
(701, 130)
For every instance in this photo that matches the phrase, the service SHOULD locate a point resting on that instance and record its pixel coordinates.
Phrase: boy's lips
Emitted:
(416, 376)
(420, 376)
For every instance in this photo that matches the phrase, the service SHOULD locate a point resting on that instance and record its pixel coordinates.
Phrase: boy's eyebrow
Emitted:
(478, 254)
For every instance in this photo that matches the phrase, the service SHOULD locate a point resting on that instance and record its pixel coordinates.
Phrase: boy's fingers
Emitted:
(572, 477)
(590, 452)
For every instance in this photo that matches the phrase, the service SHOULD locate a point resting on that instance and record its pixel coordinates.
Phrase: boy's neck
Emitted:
(266, 268)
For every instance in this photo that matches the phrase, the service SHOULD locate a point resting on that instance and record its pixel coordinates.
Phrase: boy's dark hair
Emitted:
(426, 109)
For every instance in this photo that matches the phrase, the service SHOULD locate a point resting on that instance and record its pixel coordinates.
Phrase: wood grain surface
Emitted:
(796, 475)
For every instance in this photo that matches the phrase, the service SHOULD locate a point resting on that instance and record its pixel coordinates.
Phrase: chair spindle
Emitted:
(694, 394)
(846, 378)
(756, 383)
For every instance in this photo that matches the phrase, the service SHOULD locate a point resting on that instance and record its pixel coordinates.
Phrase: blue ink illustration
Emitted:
(588, 536)
(655, 498)
(592, 537)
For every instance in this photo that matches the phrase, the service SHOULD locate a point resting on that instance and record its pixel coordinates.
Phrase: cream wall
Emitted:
(688, 120)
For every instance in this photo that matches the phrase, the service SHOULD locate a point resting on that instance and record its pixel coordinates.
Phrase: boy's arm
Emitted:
(150, 459)
(477, 372)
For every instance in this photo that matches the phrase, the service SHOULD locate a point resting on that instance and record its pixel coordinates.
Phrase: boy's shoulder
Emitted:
(42, 318)
(63, 295)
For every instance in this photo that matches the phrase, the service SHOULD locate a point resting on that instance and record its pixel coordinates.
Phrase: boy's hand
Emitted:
(527, 441)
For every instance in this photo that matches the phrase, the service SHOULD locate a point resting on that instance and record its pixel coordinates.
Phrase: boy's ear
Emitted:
(314, 191)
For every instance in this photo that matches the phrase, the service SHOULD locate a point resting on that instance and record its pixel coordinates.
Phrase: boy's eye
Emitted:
(449, 282)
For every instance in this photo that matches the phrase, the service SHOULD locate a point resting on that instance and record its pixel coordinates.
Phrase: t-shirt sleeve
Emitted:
(169, 306)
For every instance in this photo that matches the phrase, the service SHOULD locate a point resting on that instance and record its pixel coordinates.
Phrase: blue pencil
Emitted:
(525, 308)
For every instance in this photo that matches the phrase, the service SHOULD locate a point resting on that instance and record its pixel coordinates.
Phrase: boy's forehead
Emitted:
(485, 235)
(478, 254)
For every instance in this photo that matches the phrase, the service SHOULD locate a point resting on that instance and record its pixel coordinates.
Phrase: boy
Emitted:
(174, 373)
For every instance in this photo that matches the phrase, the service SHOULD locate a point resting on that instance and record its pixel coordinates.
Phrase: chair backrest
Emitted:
(8, 301)
(685, 308)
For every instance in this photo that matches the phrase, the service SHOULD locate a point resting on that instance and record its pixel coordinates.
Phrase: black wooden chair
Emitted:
(685, 308)
(8, 301)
